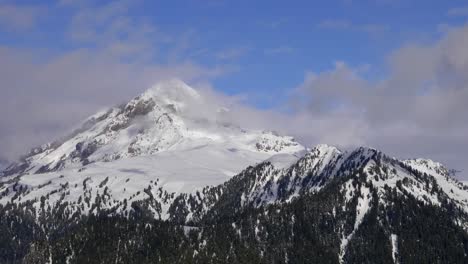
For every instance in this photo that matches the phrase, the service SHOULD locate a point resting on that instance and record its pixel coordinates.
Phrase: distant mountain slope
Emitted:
(157, 180)
(326, 206)
(157, 140)
(160, 119)
(263, 184)
(365, 179)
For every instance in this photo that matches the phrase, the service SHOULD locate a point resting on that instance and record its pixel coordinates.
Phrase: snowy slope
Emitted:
(166, 117)
(424, 179)
(173, 171)
(281, 179)
(365, 176)
(165, 148)
(169, 137)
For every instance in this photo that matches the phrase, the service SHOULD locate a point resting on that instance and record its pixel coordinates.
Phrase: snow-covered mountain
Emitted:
(171, 116)
(273, 182)
(364, 179)
(170, 154)
(167, 142)
(169, 135)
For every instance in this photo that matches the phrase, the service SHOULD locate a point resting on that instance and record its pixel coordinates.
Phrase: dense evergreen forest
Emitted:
(309, 229)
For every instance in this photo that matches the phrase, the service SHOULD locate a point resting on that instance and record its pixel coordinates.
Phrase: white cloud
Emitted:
(458, 11)
(45, 99)
(19, 17)
(419, 109)
(116, 57)
(113, 30)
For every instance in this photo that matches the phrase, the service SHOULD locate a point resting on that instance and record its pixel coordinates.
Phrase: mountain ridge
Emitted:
(156, 164)
(354, 190)
(159, 119)
(151, 141)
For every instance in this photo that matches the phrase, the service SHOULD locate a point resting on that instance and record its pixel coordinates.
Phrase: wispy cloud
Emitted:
(418, 109)
(113, 30)
(339, 24)
(113, 57)
(19, 17)
(458, 11)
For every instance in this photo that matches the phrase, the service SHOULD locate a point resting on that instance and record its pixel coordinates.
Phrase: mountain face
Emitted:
(170, 116)
(167, 179)
(166, 139)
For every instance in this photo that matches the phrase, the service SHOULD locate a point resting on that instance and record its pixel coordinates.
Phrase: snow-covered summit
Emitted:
(170, 116)
(170, 138)
(171, 142)
(428, 166)
(173, 93)
(181, 176)
(174, 89)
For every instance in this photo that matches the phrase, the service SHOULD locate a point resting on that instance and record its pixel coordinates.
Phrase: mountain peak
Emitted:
(172, 91)
(169, 117)
(325, 148)
(428, 166)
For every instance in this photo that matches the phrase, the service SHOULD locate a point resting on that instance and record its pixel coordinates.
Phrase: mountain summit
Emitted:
(165, 133)
(170, 178)
(163, 118)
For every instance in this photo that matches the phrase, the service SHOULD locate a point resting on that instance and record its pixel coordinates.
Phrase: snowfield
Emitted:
(160, 141)
(171, 141)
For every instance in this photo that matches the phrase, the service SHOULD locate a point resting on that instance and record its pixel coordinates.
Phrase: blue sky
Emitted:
(386, 73)
(268, 45)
